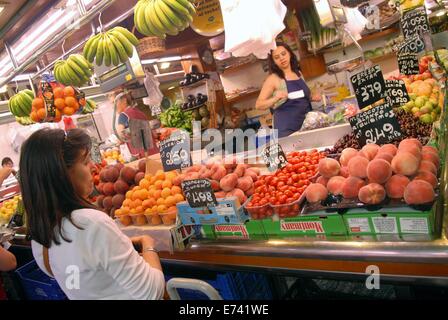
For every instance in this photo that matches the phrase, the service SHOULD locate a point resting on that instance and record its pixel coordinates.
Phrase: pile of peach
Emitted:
(374, 172)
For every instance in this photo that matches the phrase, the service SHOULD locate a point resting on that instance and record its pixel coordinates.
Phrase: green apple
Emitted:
(426, 118)
(429, 106)
(419, 102)
(413, 96)
(424, 110)
(437, 110)
(434, 115)
(415, 110)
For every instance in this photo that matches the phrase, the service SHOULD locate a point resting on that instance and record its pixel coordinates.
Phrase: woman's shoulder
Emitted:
(274, 78)
(89, 216)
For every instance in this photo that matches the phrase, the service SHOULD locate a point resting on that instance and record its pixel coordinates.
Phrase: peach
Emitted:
(229, 182)
(419, 192)
(357, 167)
(428, 177)
(335, 184)
(405, 163)
(379, 171)
(128, 174)
(316, 192)
(346, 155)
(351, 186)
(434, 158)
(142, 165)
(411, 149)
(344, 172)
(370, 150)
(121, 187)
(117, 200)
(388, 148)
(99, 201)
(385, 156)
(322, 180)
(430, 149)
(139, 176)
(363, 154)
(329, 167)
(372, 193)
(426, 165)
(410, 141)
(108, 189)
(107, 203)
(396, 185)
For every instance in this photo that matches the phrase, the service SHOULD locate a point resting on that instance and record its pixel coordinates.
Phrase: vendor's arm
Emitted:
(265, 99)
(4, 173)
(123, 123)
(7, 260)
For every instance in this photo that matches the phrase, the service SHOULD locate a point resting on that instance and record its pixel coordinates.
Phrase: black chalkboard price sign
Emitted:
(396, 92)
(408, 63)
(175, 151)
(414, 44)
(274, 157)
(377, 125)
(368, 86)
(414, 22)
(199, 193)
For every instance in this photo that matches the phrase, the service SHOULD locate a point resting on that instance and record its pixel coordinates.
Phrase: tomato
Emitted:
(303, 176)
(273, 181)
(290, 182)
(289, 193)
(283, 199)
(284, 188)
(258, 183)
(296, 196)
(280, 184)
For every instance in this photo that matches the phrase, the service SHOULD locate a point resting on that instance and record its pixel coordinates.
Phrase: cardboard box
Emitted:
(401, 220)
(228, 211)
(320, 222)
(252, 229)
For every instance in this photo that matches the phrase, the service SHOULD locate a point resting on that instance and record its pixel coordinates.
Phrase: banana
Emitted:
(139, 19)
(127, 45)
(169, 27)
(30, 93)
(77, 70)
(119, 48)
(11, 105)
(171, 14)
(131, 37)
(107, 53)
(178, 7)
(187, 4)
(100, 51)
(153, 20)
(92, 49)
(82, 63)
(154, 31)
(71, 74)
(113, 52)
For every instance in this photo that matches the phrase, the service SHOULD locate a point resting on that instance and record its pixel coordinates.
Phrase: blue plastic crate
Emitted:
(233, 286)
(37, 285)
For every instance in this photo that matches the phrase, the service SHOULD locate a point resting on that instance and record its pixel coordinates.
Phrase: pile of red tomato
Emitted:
(279, 193)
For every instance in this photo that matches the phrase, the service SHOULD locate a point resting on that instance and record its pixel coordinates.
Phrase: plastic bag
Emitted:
(155, 96)
(315, 120)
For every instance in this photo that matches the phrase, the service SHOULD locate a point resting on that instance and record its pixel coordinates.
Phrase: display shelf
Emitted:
(194, 85)
(242, 96)
(196, 107)
(376, 35)
(384, 57)
(237, 67)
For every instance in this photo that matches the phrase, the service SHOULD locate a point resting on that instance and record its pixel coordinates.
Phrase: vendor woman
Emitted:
(285, 92)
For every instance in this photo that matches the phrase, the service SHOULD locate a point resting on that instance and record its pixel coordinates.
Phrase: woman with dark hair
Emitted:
(80, 246)
(285, 92)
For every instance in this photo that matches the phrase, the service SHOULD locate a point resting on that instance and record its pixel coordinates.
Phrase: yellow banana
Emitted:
(119, 48)
(100, 51)
(169, 27)
(127, 45)
(153, 20)
(107, 53)
(171, 14)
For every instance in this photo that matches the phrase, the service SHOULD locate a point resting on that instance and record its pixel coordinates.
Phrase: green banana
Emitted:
(127, 45)
(178, 7)
(164, 20)
(88, 45)
(82, 63)
(77, 70)
(100, 51)
(91, 51)
(113, 53)
(107, 53)
(119, 48)
(153, 20)
(139, 19)
(131, 37)
(71, 74)
(171, 14)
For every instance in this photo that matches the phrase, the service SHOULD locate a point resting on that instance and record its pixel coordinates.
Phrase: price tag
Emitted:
(156, 110)
(408, 63)
(414, 44)
(175, 151)
(274, 157)
(199, 193)
(377, 125)
(95, 152)
(368, 86)
(414, 22)
(397, 93)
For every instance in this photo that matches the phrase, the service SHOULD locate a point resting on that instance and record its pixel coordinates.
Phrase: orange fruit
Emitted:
(135, 195)
(151, 193)
(143, 194)
(129, 194)
(118, 212)
(170, 201)
(70, 102)
(173, 208)
(166, 192)
(160, 201)
(152, 180)
(171, 175)
(38, 103)
(139, 209)
(59, 103)
(144, 184)
(176, 190)
(154, 208)
(41, 114)
(68, 111)
(58, 116)
(132, 211)
(158, 184)
(137, 203)
(160, 175)
(148, 177)
(146, 204)
(179, 197)
(34, 116)
(125, 210)
(58, 93)
(76, 106)
(82, 102)
(148, 210)
(136, 188)
(167, 184)
(127, 203)
(69, 92)
(161, 208)
(157, 194)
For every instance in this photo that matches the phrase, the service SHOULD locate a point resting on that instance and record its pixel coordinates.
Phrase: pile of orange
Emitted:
(154, 194)
(64, 100)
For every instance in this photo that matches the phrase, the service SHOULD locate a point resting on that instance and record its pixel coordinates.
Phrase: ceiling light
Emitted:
(165, 65)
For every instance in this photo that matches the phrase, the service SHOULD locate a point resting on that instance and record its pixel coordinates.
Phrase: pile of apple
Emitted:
(374, 172)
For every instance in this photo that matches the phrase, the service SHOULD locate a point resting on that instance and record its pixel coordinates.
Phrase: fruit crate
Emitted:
(232, 286)
(37, 285)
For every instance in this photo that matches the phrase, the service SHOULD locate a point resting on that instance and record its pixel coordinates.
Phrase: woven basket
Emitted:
(149, 45)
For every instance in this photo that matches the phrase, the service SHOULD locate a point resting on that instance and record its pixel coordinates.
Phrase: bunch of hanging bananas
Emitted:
(75, 71)
(89, 107)
(20, 104)
(110, 47)
(24, 121)
(161, 17)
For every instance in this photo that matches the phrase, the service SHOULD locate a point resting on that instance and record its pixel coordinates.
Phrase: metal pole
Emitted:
(81, 7)
(11, 56)
(58, 37)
